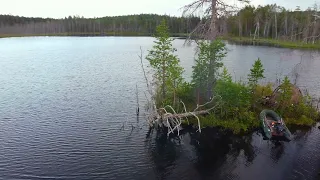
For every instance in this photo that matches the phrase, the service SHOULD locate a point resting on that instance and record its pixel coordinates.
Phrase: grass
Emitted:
(272, 42)
(302, 121)
(244, 126)
(235, 125)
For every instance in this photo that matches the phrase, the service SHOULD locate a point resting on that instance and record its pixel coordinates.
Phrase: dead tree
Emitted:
(213, 10)
(257, 24)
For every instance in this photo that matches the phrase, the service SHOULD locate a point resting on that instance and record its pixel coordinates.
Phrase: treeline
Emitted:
(270, 21)
(143, 23)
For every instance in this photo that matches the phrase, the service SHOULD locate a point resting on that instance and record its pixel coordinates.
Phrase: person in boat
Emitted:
(278, 127)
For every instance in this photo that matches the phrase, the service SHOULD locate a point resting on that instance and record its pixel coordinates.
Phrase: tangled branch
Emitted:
(173, 120)
(213, 12)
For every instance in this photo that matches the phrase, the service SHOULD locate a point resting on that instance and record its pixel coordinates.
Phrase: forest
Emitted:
(268, 22)
(143, 24)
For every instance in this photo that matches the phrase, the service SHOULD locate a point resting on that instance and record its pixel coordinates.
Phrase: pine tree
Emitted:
(256, 73)
(286, 88)
(168, 71)
(225, 75)
(207, 65)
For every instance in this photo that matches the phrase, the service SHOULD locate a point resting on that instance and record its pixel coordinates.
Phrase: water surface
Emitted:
(67, 111)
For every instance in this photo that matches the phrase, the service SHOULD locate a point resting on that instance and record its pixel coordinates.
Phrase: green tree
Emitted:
(225, 75)
(256, 74)
(286, 92)
(207, 65)
(168, 72)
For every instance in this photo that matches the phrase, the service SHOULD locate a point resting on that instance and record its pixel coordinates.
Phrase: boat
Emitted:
(273, 126)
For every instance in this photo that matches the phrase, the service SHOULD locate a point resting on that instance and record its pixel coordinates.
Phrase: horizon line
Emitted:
(94, 16)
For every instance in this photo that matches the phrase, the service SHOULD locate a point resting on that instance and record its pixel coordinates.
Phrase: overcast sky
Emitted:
(100, 8)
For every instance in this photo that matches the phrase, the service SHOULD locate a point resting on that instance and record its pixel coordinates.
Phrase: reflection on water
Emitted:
(164, 152)
(277, 150)
(219, 155)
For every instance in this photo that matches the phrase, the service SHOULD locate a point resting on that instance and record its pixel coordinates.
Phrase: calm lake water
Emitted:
(64, 101)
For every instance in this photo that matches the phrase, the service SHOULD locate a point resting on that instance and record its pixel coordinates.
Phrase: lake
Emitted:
(68, 106)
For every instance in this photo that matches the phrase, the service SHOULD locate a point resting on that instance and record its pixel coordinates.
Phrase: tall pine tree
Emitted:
(168, 72)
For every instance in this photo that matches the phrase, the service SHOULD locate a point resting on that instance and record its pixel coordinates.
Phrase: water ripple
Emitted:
(64, 101)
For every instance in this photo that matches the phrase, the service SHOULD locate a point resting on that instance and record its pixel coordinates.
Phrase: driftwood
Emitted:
(187, 114)
(173, 121)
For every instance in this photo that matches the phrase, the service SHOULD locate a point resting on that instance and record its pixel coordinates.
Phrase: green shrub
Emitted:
(235, 98)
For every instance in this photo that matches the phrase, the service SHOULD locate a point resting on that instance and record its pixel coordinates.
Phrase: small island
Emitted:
(212, 98)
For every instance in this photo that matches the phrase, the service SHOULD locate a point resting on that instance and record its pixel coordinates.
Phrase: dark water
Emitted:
(67, 111)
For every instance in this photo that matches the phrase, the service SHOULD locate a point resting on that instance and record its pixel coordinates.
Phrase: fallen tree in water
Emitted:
(173, 120)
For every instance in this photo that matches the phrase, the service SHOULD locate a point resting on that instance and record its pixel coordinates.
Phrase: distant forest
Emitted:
(270, 21)
(143, 23)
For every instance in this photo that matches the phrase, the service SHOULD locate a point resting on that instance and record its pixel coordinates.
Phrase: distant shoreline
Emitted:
(125, 34)
(235, 40)
(272, 43)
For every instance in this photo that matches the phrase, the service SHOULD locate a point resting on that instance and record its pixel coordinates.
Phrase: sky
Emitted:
(100, 8)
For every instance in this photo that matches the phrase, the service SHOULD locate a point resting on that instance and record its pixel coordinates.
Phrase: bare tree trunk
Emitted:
(292, 31)
(246, 34)
(212, 37)
(276, 24)
(286, 24)
(257, 30)
(213, 24)
(268, 30)
(314, 31)
(265, 28)
(240, 27)
(99, 27)
(257, 27)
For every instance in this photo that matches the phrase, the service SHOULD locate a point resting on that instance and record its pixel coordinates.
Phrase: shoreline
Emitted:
(247, 41)
(239, 128)
(80, 34)
(271, 43)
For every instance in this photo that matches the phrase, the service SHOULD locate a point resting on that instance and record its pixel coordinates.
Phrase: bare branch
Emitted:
(171, 108)
(199, 129)
(144, 72)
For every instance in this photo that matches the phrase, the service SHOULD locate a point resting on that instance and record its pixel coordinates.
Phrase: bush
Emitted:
(301, 121)
(235, 98)
(235, 125)
(262, 91)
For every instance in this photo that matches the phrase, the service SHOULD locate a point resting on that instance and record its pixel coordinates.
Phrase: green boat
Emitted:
(273, 126)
